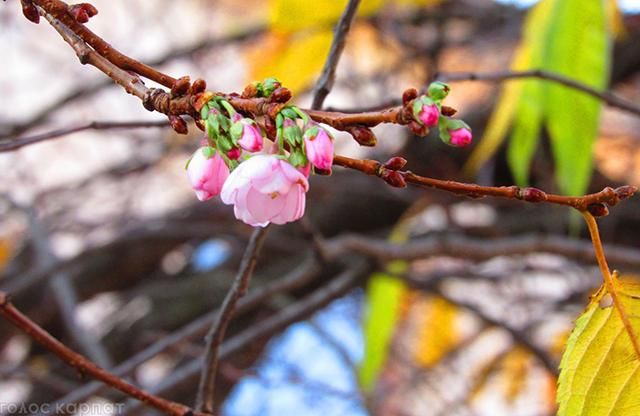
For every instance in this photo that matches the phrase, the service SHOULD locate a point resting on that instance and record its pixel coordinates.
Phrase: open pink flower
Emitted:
(429, 115)
(318, 145)
(266, 189)
(460, 137)
(207, 172)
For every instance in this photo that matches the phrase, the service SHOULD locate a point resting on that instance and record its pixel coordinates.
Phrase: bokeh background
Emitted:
(103, 243)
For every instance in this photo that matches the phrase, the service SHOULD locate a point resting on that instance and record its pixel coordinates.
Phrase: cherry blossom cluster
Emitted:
(427, 111)
(265, 183)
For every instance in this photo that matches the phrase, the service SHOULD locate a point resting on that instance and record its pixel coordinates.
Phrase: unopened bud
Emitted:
(178, 124)
(198, 86)
(394, 179)
(30, 12)
(626, 191)
(82, 12)
(281, 95)
(533, 195)
(408, 95)
(395, 163)
(363, 135)
(181, 86)
(598, 209)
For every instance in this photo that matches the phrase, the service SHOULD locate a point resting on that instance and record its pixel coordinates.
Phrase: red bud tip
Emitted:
(395, 163)
(626, 191)
(181, 86)
(598, 209)
(394, 179)
(280, 95)
(198, 86)
(30, 12)
(533, 195)
(82, 12)
(363, 135)
(178, 124)
(409, 95)
(448, 111)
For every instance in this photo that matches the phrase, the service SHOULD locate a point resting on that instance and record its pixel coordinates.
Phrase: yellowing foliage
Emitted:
(300, 36)
(438, 334)
(600, 369)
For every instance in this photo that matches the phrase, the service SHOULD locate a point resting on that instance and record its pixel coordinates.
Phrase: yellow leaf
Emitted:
(515, 369)
(438, 333)
(295, 15)
(6, 249)
(599, 371)
(295, 60)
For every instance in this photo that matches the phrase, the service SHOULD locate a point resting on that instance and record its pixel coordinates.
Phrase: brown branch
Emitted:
(214, 338)
(608, 196)
(59, 11)
(83, 365)
(606, 96)
(328, 76)
(275, 323)
(298, 277)
(13, 144)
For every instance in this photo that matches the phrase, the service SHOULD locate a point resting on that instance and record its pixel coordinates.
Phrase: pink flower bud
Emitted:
(318, 145)
(251, 139)
(266, 189)
(207, 174)
(234, 154)
(429, 115)
(460, 137)
(305, 170)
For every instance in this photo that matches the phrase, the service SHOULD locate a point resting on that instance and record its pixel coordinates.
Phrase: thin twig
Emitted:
(607, 196)
(606, 96)
(64, 294)
(295, 312)
(609, 282)
(298, 277)
(328, 76)
(82, 364)
(16, 143)
(206, 388)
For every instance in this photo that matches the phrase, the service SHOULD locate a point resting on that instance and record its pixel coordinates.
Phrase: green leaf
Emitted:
(384, 295)
(578, 48)
(599, 371)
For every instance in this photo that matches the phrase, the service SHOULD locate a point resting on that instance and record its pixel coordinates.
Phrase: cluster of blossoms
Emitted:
(265, 184)
(427, 110)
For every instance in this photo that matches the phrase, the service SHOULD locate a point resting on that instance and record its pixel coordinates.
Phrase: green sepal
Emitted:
(204, 112)
(304, 116)
(224, 143)
(279, 121)
(443, 127)
(213, 127)
(292, 134)
(227, 106)
(312, 132)
(454, 124)
(208, 152)
(266, 87)
(236, 131)
(438, 90)
(297, 158)
(289, 112)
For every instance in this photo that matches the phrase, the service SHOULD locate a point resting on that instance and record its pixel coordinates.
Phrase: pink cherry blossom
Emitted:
(319, 147)
(251, 139)
(460, 137)
(429, 115)
(266, 189)
(207, 174)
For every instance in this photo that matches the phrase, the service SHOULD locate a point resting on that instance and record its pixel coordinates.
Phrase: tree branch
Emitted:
(215, 336)
(83, 365)
(608, 196)
(606, 96)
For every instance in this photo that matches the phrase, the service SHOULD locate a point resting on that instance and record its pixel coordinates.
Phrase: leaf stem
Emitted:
(609, 280)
